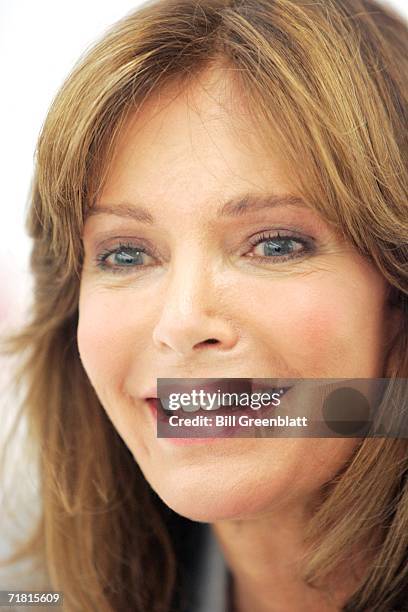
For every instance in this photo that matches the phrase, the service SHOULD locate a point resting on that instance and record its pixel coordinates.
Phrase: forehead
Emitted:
(193, 142)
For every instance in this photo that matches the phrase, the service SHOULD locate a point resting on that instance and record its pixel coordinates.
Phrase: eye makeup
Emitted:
(133, 255)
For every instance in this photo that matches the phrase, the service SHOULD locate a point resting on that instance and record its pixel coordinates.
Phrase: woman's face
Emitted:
(314, 310)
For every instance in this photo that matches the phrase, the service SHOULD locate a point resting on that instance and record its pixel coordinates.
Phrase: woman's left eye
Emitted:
(278, 247)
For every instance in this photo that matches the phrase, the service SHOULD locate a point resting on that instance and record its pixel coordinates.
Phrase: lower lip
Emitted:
(228, 432)
(181, 441)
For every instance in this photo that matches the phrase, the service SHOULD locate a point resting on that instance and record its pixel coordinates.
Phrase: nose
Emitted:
(192, 317)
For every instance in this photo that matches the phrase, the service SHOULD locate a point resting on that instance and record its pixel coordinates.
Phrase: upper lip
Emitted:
(224, 385)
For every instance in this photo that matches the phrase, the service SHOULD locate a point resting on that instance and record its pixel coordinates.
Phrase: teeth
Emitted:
(164, 403)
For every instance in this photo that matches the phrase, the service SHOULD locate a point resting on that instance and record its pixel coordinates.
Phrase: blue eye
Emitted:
(122, 257)
(275, 246)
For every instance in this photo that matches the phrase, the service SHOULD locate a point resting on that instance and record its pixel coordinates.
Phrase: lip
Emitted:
(225, 431)
(157, 412)
(217, 384)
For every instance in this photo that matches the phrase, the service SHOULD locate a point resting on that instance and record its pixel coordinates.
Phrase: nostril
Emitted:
(211, 341)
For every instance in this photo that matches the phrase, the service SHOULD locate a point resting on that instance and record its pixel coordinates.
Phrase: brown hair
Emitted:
(330, 81)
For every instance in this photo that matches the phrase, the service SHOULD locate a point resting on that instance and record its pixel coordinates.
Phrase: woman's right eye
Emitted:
(123, 257)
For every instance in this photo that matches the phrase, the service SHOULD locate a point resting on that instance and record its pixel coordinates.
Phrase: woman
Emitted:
(220, 191)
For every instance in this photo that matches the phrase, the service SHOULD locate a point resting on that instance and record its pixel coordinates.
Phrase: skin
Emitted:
(181, 158)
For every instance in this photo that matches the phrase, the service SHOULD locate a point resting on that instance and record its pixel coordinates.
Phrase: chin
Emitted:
(205, 509)
(209, 500)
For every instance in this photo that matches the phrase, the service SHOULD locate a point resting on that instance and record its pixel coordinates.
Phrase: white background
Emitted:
(39, 43)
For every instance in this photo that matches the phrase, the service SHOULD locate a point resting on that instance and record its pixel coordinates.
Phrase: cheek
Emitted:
(103, 344)
(320, 323)
(323, 328)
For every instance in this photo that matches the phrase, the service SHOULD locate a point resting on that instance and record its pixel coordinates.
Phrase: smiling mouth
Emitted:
(161, 404)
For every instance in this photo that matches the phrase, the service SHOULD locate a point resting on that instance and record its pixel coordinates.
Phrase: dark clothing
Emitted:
(204, 579)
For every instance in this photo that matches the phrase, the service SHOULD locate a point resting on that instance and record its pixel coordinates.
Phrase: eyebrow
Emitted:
(234, 207)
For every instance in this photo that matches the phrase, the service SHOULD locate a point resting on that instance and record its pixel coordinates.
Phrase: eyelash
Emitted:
(308, 247)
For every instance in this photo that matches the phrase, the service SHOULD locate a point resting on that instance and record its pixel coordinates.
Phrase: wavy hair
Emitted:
(328, 82)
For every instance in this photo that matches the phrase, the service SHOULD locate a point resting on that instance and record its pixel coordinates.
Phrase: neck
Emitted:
(264, 557)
